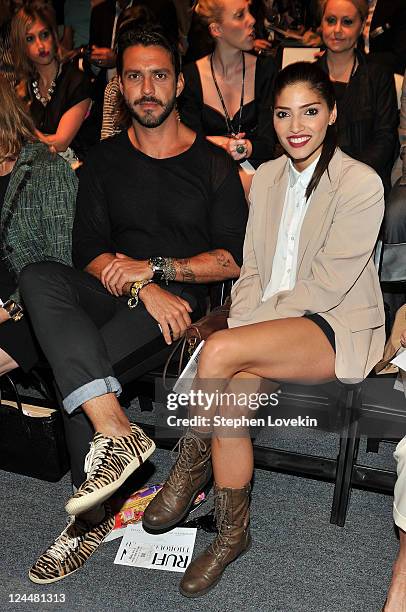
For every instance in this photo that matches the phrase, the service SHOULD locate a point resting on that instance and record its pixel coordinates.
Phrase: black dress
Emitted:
(72, 86)
(256, 118)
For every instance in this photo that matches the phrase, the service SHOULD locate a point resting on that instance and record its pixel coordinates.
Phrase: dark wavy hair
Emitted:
(313, 76)
(147, 36)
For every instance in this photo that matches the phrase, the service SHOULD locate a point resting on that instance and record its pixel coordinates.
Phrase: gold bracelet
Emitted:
(134, 292)
(15, 311)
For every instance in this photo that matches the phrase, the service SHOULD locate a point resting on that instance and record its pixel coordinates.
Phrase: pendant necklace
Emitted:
(45, 99)
(354, 65)
(231, 133)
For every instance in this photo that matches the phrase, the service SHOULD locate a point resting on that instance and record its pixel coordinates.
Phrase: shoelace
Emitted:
(181, 454)
(96, 455)
(220, 513)
(63, 543)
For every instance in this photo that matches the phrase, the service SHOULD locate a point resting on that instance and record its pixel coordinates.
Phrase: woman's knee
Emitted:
(218, 352)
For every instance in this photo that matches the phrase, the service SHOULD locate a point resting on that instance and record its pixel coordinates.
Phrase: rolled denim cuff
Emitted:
(89, 391)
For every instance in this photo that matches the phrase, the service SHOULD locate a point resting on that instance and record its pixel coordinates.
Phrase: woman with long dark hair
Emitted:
(307, 308)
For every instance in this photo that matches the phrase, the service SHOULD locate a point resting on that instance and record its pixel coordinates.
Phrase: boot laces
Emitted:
(183, 454)
(96, 456)
(220, 512)
(64, 543)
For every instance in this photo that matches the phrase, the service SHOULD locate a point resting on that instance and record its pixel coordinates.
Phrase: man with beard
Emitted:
(160, 213)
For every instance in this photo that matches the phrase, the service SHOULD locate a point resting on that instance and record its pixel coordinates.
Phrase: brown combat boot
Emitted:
(233, 539)
(190, 474)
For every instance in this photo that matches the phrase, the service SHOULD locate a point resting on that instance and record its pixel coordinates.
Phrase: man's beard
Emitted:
(148, 119)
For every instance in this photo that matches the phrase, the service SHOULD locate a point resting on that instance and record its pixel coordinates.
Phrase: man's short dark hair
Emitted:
(147, 36)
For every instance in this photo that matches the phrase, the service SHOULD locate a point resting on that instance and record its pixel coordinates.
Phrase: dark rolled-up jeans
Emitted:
(92, 341)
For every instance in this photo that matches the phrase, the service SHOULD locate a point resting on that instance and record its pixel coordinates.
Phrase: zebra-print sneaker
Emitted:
(108, 464)
(77, 542)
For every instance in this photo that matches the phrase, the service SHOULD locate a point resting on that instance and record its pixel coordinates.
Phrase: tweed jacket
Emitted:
(38, 210)
(336, 276)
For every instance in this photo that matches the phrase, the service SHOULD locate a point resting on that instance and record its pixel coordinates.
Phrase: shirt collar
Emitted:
(304, 177)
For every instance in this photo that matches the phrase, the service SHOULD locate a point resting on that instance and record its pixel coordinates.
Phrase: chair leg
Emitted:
(373, 445)
(146, 403)
(346, 488)
(349, 442)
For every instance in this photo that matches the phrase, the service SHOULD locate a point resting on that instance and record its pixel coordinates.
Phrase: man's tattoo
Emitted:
(221, 259)
(186, 271)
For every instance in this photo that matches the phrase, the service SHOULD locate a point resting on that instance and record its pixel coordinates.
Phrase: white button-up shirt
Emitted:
(284, 265)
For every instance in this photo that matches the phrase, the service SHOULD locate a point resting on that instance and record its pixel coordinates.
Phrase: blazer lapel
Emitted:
(274, 208)
(319, 205)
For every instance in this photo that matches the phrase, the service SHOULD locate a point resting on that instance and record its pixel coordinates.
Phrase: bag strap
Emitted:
(180, 344)
(23, 418)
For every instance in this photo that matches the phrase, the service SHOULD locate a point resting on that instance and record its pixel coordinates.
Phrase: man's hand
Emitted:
(4, 316)
(123, 270)
(104, 57)
(170, 311)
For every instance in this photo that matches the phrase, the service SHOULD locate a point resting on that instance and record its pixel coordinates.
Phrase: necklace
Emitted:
(45, 99)
(229, 124)
(354, 65)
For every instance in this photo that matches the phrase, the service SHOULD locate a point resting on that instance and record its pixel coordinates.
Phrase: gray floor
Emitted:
(298, 562)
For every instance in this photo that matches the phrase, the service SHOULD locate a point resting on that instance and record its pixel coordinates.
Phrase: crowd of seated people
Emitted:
(322, 137)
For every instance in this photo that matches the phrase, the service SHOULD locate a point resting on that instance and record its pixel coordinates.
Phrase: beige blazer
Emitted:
(336, 276)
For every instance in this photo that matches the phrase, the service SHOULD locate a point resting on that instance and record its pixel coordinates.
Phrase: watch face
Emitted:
(158, 263)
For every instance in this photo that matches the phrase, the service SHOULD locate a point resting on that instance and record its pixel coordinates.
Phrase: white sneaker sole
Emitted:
(77, 505)
(37, 580)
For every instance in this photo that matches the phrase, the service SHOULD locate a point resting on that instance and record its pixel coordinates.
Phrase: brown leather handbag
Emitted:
(214, 321)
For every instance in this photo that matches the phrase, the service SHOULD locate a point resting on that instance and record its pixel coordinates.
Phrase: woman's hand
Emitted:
(104, 57)
(403, 338)
(235, 147)
(262, 46)
(230, 145)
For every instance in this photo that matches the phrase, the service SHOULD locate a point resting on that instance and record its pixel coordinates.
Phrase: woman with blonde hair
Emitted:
(228, 94)
(59, 93)
(37, 200)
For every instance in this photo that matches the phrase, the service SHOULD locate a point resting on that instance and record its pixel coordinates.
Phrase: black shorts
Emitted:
(325, 328)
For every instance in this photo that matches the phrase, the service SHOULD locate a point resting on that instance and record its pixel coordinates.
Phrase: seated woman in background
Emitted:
(307, 307)
(59, 94)
(37, 201)
(367, 110)
(228, 94)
